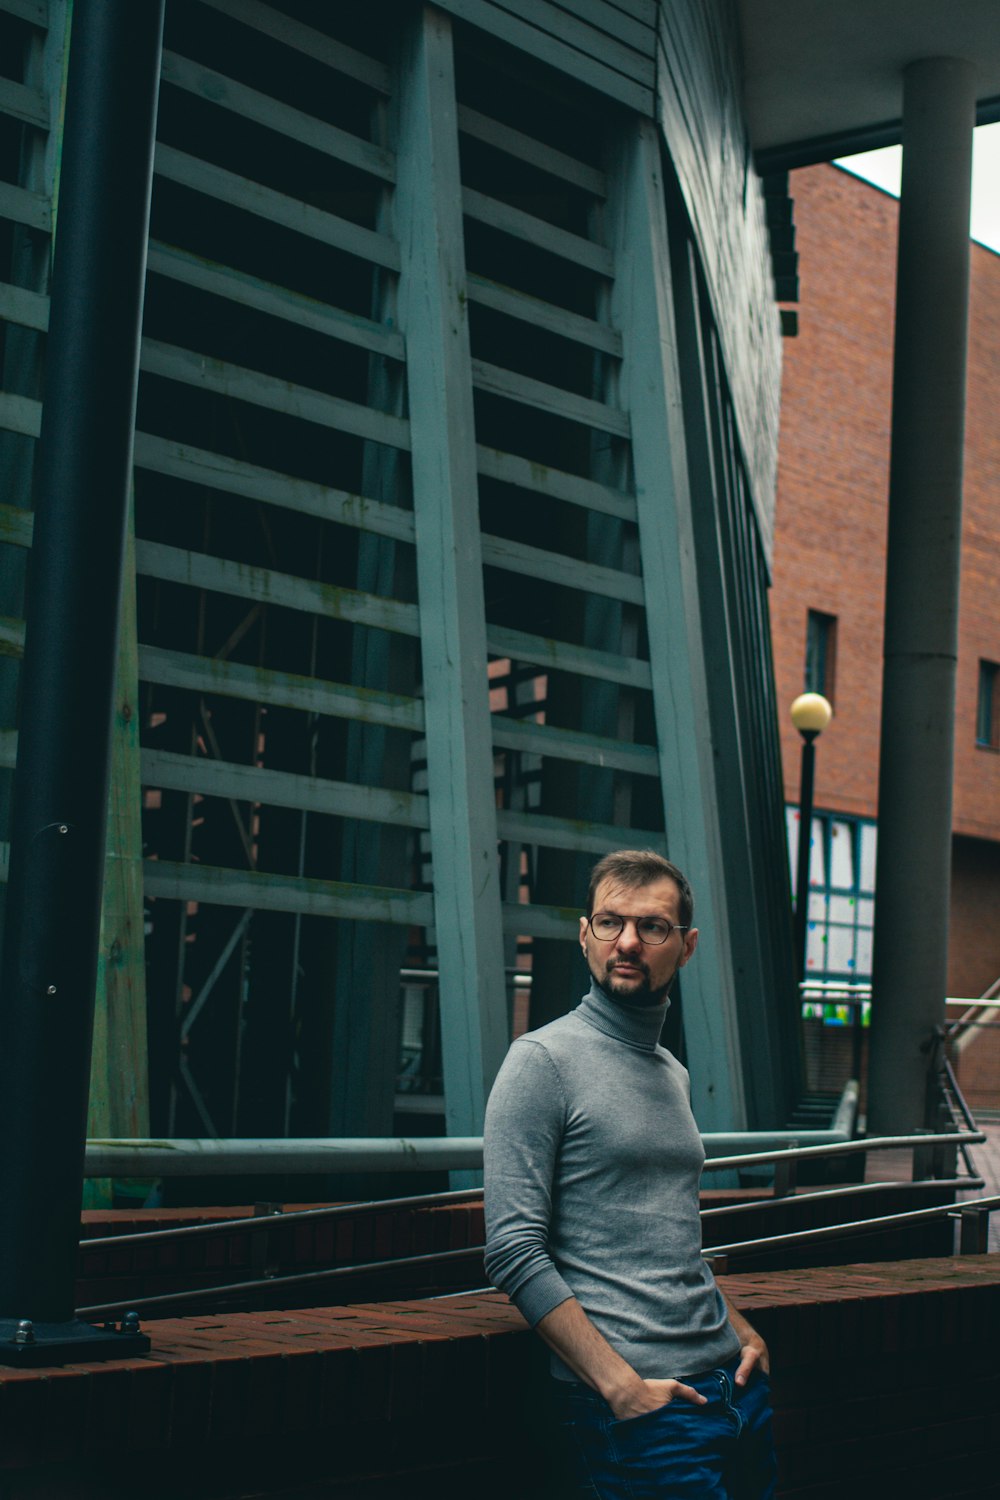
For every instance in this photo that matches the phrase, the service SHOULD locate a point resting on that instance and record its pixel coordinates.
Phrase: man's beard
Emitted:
(641, 995)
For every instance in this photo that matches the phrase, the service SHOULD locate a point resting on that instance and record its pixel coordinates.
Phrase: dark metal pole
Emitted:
(83, 473)
(806, 783)
(913, 873)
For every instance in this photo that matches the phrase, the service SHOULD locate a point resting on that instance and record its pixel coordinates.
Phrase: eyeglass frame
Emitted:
(673, 927)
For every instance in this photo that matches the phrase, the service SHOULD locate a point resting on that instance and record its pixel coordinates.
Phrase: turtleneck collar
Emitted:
(635, 1025)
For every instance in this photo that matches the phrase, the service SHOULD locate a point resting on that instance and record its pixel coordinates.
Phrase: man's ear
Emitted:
(690, 944)
(583, 934)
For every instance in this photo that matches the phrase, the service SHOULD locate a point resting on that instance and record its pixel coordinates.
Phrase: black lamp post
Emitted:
(82, 474)
(811, 713)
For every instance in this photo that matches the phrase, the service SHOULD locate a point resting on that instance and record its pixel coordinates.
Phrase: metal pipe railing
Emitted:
(198, 1157)
(844, 1148)
(249, 1222)
(205, 1157)
(850, 1190)
(202, 1157)
(298, 1278)
(856, 1227)
(161, 1302)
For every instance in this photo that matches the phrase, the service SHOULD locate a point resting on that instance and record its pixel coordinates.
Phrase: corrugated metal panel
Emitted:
(699, 109)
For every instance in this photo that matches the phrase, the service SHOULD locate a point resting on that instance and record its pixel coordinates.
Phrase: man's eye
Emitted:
(654, 929)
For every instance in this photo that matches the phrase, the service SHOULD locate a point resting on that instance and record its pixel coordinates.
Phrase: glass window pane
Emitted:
(863, 962)
(866, 911)
(817, 906)
(842, 855)
(816, 947)
(840, 950)
(817, 855)
(843, 909)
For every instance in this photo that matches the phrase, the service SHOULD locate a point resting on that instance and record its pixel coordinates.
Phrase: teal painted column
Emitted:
(913, 874)
(432, 311)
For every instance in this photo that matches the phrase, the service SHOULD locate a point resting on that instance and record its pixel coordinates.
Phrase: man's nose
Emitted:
(629, 938)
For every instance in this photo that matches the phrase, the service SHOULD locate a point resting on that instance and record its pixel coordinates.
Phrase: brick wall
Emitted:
(831, 523)
(885, 1383)
(833, 472)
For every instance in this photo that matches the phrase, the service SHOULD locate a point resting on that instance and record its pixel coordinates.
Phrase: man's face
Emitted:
(634, 972)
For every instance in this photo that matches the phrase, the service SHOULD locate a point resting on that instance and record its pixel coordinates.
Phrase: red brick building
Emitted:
(829, 571)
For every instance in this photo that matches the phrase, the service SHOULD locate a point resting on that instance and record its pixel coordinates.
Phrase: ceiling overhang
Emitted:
(824, 78)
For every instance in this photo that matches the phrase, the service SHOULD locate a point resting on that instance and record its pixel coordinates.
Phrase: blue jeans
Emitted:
(720, 1451)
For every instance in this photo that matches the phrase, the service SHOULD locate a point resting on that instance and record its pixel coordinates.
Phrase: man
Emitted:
(593, 1163)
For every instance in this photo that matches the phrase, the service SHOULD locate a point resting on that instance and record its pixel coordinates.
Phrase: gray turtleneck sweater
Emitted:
(593, 1161)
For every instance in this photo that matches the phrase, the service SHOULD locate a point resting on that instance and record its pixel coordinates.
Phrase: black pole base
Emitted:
(29, 1345)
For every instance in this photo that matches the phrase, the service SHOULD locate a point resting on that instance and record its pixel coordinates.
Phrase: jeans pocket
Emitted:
(643, 1418)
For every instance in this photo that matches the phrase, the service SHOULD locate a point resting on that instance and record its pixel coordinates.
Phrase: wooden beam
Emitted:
(170, 880)
(537, 232)
(265, 586)
(240, 384)
(277, 208)
(26, 309)
(541, 396)
(433, 316)
(526, 148)
(276, 301)
(23, 103)
(557, 568)
(547, 315)
(509, 468)
(570, 744)
(561, 656)
(24, 207)
(217, 471)
(316, 45)
(230, 679)
(259, 784)
(275, 114)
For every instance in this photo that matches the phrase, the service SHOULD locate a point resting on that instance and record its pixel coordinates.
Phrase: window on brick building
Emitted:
(821, 654)
(841, 920)
(988, 706)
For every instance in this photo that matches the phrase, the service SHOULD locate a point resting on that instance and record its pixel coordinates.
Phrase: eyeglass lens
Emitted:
(606, 926)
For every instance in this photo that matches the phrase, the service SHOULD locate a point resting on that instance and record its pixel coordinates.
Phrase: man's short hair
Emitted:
(632, 868)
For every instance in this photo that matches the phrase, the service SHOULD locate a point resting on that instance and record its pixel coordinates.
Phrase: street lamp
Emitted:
(811, 713)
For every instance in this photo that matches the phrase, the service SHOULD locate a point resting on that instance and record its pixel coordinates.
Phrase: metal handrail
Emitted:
(298, 1278)
(848, 1190)
(210, 1157)
(777, 1241)
(830, 989)
(247, 1223)
(844, 1148)
(857, 1227)
(269, 1220)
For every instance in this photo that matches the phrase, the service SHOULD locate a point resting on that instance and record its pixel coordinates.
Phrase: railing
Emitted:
(210, 1157)
(973, 1216)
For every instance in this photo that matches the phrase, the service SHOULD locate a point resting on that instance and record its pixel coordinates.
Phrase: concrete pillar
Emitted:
(921, 611)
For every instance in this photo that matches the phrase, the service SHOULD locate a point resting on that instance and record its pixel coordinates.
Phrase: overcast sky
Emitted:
(883, 168)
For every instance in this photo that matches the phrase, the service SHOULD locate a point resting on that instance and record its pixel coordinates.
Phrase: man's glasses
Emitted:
(653, 931)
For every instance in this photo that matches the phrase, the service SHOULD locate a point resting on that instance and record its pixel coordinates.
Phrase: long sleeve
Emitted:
(525, 1119)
